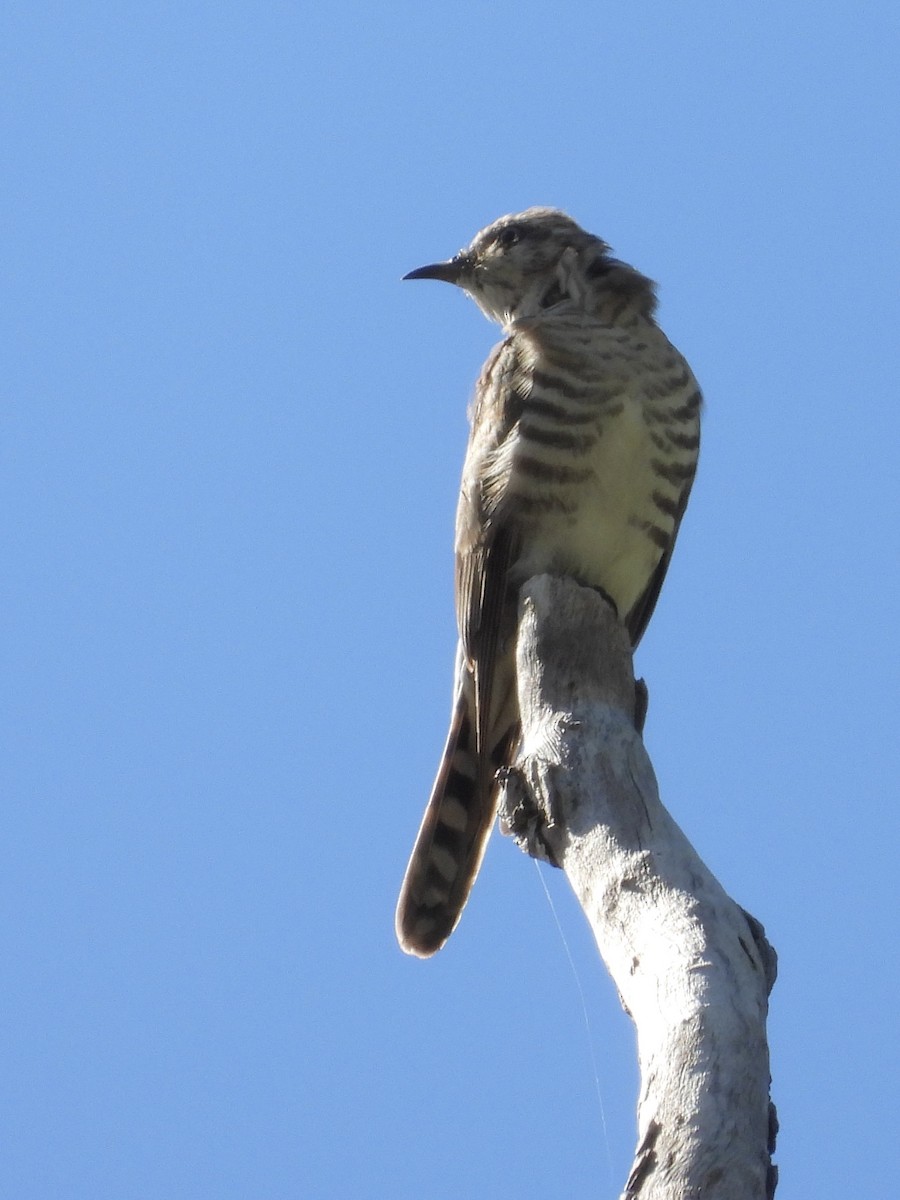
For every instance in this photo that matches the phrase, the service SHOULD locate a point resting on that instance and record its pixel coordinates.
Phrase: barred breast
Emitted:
(603, 454)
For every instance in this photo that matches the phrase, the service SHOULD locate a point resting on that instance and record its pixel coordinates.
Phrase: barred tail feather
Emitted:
(451, 842)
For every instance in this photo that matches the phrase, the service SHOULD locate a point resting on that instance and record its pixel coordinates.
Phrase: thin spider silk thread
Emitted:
(587, 1020)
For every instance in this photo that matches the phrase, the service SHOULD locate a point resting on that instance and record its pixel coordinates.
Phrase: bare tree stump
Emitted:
(693, 970)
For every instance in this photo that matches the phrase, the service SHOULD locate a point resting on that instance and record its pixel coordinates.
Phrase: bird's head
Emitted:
(529, 262)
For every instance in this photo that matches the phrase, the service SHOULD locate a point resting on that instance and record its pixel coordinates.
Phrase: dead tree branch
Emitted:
(693, 970)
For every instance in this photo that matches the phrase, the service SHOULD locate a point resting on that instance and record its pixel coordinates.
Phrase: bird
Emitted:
(583, 447)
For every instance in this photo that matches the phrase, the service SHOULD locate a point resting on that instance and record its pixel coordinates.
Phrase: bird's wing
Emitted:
(486, 540)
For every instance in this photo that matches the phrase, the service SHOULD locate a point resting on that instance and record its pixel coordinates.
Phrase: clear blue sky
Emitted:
(231, 447)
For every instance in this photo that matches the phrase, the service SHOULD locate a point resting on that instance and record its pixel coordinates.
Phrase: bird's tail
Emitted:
(453, 837)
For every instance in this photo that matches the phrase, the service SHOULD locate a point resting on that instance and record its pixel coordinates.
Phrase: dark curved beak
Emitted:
(449, 271)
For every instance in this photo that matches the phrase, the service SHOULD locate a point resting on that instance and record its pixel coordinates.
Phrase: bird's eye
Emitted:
(508, 236)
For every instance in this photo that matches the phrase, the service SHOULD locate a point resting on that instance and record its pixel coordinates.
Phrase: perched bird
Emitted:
(583, 447)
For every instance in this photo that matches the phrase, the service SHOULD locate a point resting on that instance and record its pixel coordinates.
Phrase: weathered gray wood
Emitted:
(692, 969)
